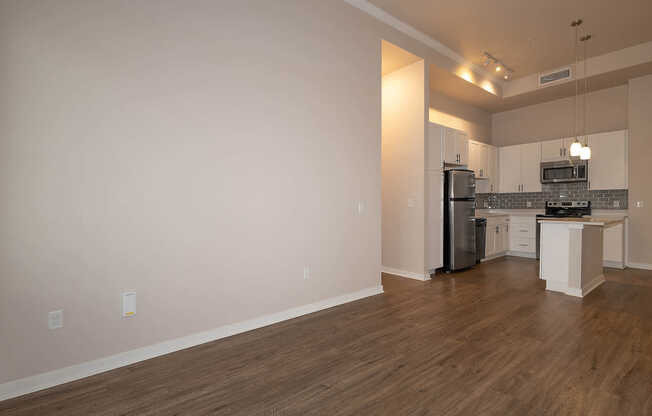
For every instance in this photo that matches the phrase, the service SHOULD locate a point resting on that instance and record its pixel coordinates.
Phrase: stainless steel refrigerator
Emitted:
(459, 225)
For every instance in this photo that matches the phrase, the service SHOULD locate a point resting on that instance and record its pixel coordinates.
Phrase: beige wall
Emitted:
(403, 141)
(199, 153)
(640, 169)
(457, 115)
(607, 111)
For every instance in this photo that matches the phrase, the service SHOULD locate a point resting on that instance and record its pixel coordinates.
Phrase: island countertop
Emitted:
(601, 221)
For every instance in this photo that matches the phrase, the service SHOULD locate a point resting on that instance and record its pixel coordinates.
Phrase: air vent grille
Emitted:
(556, 76)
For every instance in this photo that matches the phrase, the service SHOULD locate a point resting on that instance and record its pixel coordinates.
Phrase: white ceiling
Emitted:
(529, 36)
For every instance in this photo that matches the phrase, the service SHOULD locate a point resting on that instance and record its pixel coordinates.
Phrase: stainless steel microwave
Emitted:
(565, 171)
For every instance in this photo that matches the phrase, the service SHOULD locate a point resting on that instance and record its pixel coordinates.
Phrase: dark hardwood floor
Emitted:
(489, 341)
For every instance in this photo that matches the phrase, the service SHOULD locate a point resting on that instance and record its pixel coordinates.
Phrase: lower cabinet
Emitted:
(497, 240)
(523, 236)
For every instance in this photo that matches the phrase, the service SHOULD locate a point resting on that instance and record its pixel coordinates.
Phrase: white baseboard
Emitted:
(642, 266)
(562, 287)
(64, 375)
(613, 264)
(588, 288)
(403, 273)
(522, 254)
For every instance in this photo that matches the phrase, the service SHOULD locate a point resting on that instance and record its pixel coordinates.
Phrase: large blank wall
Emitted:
(197, 152)
(607, 111)
(640, 170)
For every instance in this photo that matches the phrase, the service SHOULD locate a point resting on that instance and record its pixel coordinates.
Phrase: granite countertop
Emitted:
(602, 221)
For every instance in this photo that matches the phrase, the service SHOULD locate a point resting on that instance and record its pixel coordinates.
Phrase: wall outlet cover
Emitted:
(306, 272)
(640, 204)
(55, 319)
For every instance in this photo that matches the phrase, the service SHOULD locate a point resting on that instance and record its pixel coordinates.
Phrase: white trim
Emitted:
(557, 286)
(642, 266)
(64, 375)
(588, 288)
(522, 254)
(416, 34)
(403, 273)
(613, 264)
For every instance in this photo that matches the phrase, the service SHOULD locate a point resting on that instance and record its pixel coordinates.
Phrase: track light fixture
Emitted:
(499, 65)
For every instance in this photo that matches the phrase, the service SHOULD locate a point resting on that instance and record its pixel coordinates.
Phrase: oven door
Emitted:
(555, 172)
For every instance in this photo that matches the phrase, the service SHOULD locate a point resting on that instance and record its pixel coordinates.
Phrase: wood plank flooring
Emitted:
(489, 341)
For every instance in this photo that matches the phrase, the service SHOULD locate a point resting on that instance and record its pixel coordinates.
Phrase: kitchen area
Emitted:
(517, 188)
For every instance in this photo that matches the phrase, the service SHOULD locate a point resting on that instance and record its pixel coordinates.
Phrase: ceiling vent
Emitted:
(555, 77)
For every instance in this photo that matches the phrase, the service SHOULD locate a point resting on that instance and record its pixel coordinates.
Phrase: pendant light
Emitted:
(576, 146)
(585, 153)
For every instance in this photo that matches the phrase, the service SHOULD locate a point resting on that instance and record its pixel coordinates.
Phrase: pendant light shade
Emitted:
(585, 153)
(575, 148)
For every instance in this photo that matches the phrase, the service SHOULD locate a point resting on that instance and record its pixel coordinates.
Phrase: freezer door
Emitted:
(461, 184)
(462, 234)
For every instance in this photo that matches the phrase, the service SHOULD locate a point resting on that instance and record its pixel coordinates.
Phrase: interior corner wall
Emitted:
(640, 170)
(607, 111)
(403, 141)
(461, 116)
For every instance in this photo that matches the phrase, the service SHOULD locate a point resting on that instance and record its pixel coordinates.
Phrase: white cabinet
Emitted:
(456, 147)
(522, 234)
(530, 167)
(492, 169)
(556, 150)
(497, 237)
(509, 159)
(479, 159)
(519, 168)
(434, 198)
(462, 147)
(475, 158)
(433, 146)
(609, 160)
(434, 219)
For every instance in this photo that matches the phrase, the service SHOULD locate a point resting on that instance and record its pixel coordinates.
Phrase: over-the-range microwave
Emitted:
(565, 171)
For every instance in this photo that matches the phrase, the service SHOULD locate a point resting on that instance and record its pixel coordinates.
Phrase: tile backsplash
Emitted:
(572, 191)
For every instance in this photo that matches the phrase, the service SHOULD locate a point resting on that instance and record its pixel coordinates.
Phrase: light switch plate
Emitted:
(128, 304)
(412, 202)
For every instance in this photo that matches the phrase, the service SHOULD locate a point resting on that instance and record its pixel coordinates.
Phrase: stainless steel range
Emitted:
(562, 209)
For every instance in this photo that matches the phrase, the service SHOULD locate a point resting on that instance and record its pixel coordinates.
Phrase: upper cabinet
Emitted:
(482, 159)
(433, 147)
(456, 146)
(608, 163)
(555, 150)
(519, 168)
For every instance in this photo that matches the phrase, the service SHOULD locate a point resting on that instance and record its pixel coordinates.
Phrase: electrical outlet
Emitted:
(640, 204)
(616, 204)
(55, 319)
(529, 204)
(306, 272)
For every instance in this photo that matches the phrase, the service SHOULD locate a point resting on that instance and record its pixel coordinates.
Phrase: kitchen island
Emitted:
(571, 253)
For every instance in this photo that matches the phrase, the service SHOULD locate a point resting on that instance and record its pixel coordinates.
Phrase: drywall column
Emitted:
(403, 138)
(640, 171)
